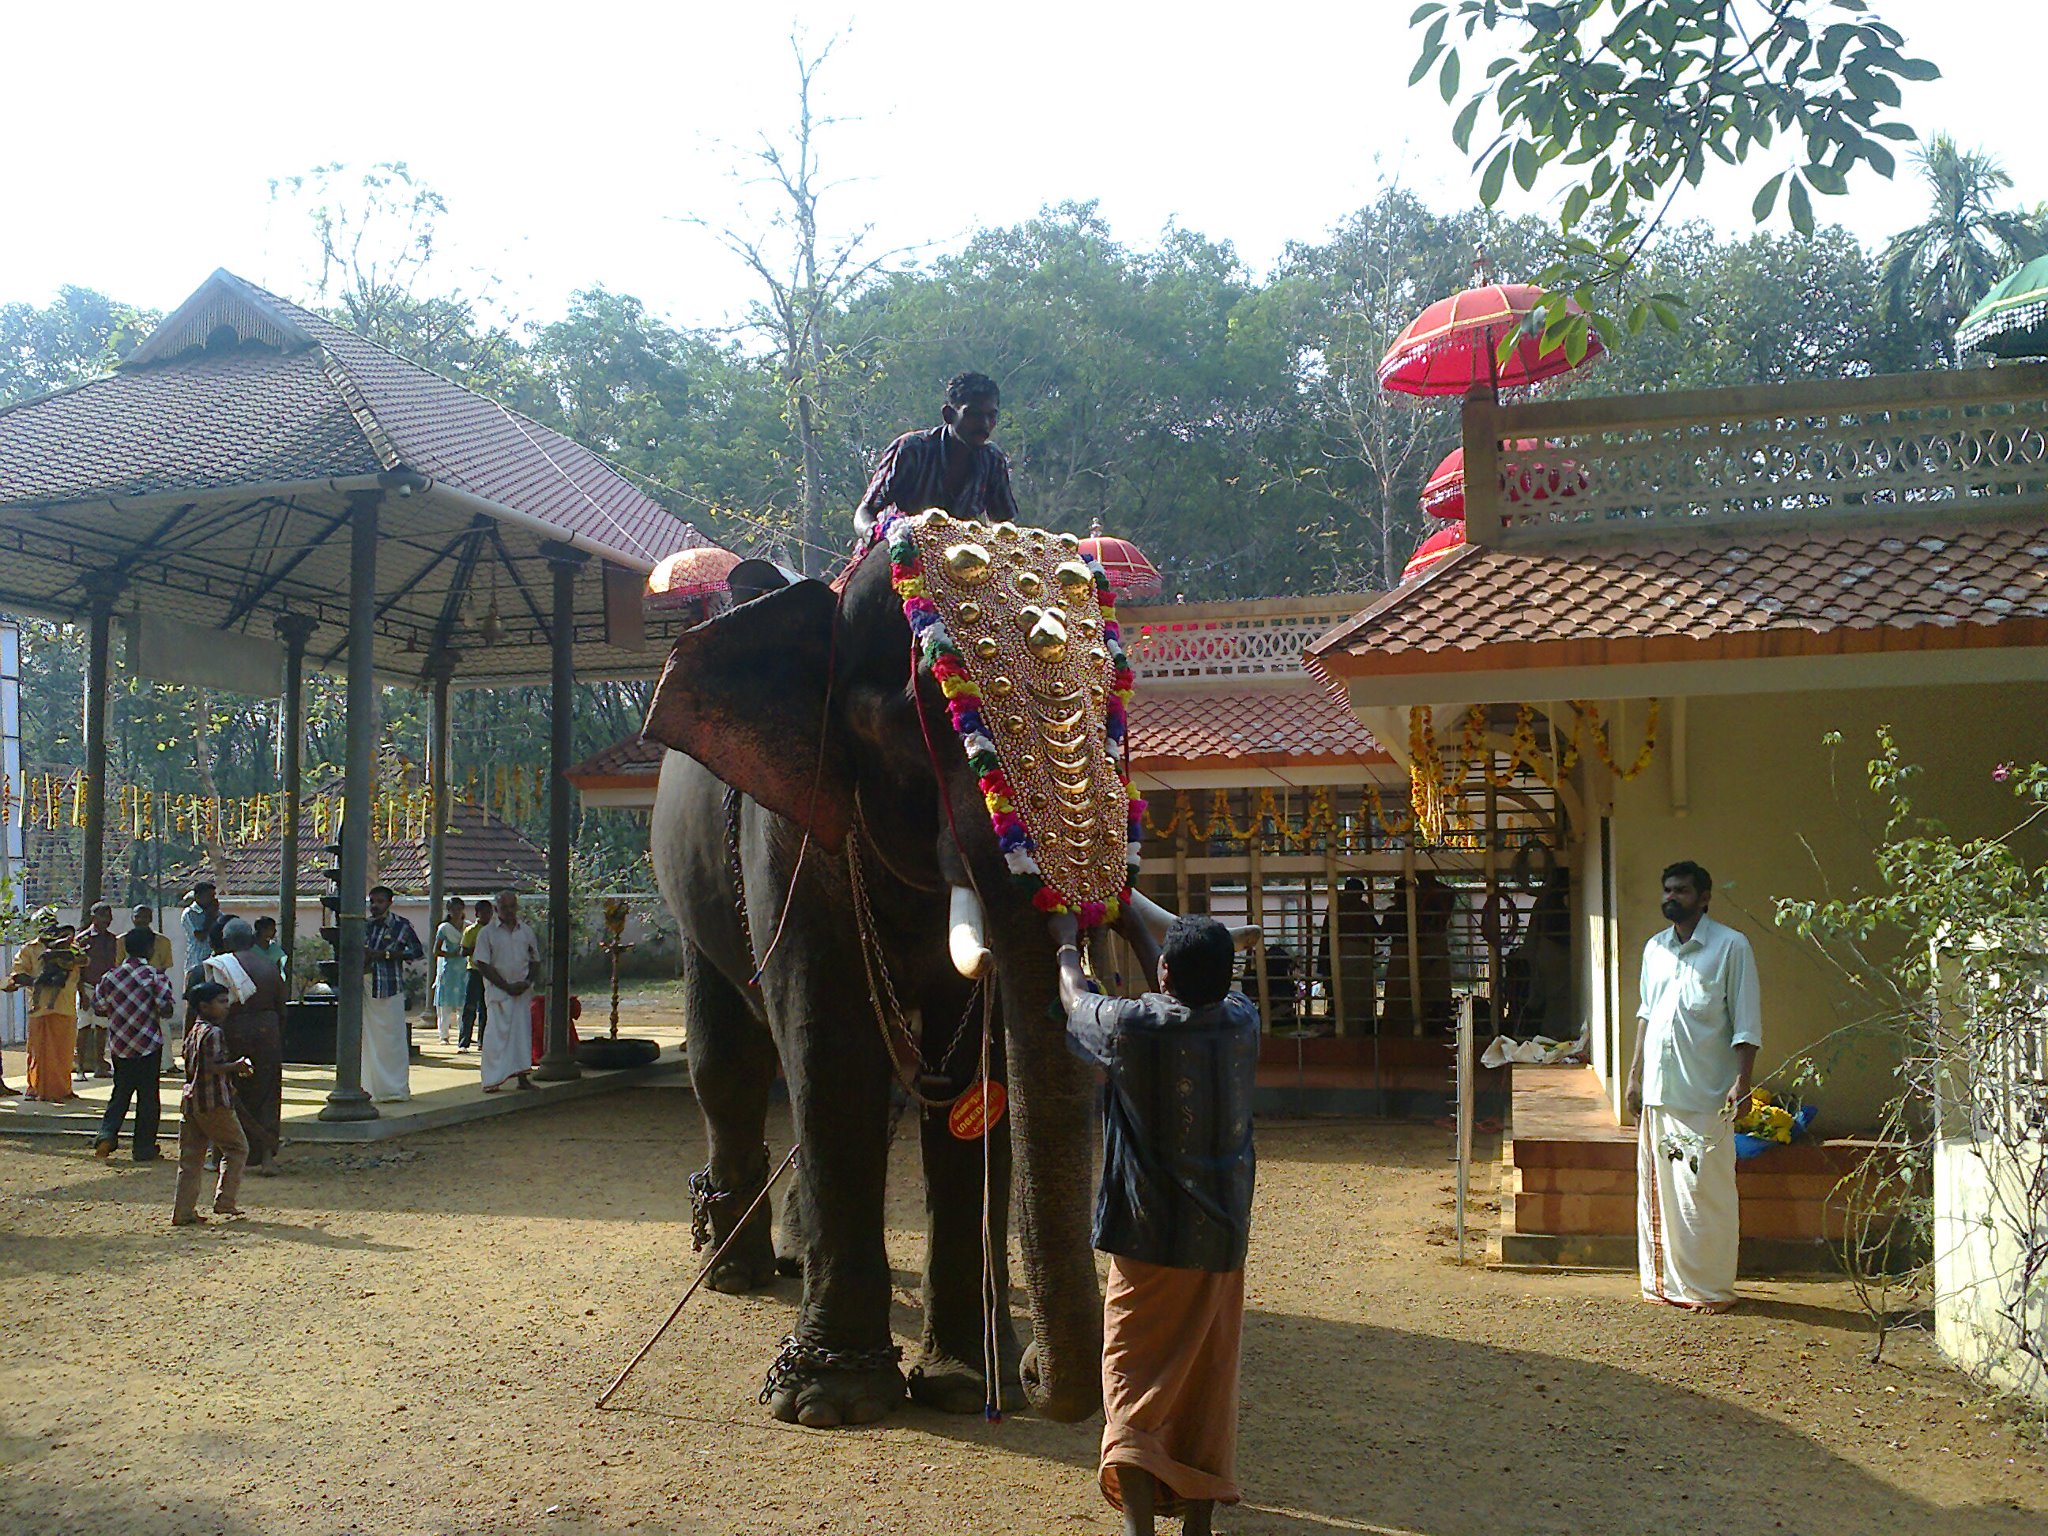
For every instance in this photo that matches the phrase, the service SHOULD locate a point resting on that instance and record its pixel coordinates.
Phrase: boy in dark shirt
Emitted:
(1174, 1215)
(207, 1113)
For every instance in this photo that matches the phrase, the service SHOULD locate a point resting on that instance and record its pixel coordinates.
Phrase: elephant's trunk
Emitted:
(1052, 1124)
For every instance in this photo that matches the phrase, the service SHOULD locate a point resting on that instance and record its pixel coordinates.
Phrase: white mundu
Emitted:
(1699, 1002)
(514, 953)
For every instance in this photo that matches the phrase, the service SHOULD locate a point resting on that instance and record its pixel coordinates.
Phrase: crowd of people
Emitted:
(100, 1004)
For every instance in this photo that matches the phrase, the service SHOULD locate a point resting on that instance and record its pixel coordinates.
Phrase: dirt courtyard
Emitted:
(408, 1338)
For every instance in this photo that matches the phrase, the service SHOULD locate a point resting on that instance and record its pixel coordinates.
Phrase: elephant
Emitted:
(830, 860)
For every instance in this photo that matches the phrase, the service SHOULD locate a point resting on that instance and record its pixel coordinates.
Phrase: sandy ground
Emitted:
(408, 1338)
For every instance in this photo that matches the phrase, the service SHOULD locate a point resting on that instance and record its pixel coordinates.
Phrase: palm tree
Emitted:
(1942, 266)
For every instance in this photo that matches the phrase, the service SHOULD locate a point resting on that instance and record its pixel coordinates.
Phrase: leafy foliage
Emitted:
(1631, 97)
(1949, 950)
(1941, 267)
(75, 338)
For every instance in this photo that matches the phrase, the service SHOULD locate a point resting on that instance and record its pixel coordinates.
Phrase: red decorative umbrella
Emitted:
(1449, 347)
(1549, 479)
(1434, 551)
(689, 575)
(1130, 573)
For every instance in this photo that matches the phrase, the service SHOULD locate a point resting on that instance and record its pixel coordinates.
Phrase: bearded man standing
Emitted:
(390, 943)
(1697, 1033)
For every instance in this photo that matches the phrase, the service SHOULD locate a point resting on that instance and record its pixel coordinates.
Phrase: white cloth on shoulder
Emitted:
(228, 971)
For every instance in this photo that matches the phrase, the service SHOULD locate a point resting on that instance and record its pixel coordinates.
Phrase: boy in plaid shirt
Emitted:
(208, 1111)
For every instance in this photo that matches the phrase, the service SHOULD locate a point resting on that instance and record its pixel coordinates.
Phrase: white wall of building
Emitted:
(1981, 1217)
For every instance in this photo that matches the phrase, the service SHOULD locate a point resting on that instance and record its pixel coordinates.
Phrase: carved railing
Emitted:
(1211, 641)
(1974, 442)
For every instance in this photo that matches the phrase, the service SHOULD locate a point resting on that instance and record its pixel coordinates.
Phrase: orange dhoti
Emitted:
(1170, 1340)
(52, 1037)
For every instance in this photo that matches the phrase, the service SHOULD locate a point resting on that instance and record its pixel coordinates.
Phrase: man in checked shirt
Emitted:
(952, 465)
(134, 998)
(208, 1111)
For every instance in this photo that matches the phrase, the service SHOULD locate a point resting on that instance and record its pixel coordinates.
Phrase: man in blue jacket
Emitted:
(1174, 1215)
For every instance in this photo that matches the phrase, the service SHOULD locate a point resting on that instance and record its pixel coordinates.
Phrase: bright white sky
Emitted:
(574, 142)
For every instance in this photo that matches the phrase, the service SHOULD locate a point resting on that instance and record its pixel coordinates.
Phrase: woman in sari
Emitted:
(49, 966)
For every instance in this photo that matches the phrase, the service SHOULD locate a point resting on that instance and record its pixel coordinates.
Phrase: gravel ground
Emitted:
(409, 1339)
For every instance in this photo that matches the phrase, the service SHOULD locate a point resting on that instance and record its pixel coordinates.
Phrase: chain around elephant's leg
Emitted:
(732, 1067)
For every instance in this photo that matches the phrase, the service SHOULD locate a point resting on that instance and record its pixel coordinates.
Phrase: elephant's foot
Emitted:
(741, 1271)
(744, 1261)
(824, 1388)
(953, 1385)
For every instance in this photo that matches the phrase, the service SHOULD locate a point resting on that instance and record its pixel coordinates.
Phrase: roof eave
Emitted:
(247, 491)
(1776, 662)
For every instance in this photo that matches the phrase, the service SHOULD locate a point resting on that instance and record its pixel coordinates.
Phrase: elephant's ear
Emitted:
(745, 695)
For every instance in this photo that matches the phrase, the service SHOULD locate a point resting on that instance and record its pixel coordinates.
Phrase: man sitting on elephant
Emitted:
(1174, 1215)
(953, 465)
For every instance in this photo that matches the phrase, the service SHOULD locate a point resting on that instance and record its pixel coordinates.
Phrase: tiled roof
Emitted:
(1245, 727)
(1806, 591)
(1242, 728)
(241, 387)
(630, 757)
(244, 417)
(483, 854)
(246, 420)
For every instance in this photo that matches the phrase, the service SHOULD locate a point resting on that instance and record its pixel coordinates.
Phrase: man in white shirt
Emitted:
(1697, 1033)
(507, 955)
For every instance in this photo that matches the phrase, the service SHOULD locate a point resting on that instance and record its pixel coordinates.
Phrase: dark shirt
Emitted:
(389, 932)
(911, 478)
(1177, 1161)
(101, 951)
(208, 1080)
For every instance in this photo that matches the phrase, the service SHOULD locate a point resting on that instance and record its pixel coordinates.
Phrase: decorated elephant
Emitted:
(874, 800)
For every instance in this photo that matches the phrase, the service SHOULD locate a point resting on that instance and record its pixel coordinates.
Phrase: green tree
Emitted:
(1630, 98)
(1942, 266)
(79, 336)
(1766, 310)
(378, 271)
(807, 277)
(1139, 387)
(1344, 301)
(690, 415)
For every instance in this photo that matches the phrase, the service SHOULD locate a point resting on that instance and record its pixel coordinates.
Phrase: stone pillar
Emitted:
(295, 630)
(558, 1062)
(100, 595)
(349, 1100)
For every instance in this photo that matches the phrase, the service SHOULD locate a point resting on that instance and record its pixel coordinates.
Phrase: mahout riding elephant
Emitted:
(811, 827)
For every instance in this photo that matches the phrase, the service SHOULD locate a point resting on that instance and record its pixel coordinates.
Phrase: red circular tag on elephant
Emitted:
(977, 1111)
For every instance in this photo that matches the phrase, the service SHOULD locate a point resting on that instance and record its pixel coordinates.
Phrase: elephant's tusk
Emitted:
(965, 939)
(1156, 919)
